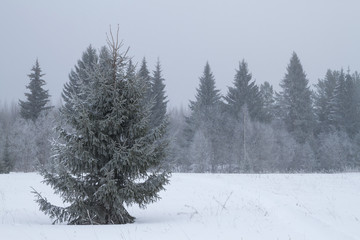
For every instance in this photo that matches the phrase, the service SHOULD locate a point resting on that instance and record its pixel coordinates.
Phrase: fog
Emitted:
(182, 34)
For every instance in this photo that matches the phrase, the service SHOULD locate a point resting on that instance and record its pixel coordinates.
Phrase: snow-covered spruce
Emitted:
(106, 156)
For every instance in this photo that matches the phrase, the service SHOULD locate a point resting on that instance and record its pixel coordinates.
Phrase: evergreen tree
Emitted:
(267, 93)
(6, 161)
(207, 98)
(107, 158)
(245, 93)
(37, 98)
(144, 76)
(295, 101)
(158, 110)
(345, 112)
(351, 117)
(337, 103)
(324, 101)
(80, 75)
(204, 116)
(131, 70)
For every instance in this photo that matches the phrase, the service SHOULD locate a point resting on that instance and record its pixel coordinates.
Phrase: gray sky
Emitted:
(184, 34)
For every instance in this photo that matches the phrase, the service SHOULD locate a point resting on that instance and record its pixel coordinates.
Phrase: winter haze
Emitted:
(183, 34)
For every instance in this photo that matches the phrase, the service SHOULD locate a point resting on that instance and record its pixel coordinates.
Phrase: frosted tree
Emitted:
(6, 160)
(344, 113)
(144, 76)
(335, 151)
(267, 94)
(351, 117)
(245, 92)
(295, 101)
(38, 98)
(325, 101)
(158, 109)
(179, 156)
(201, 153)
(207, 96)
(131, 70)
(205, 111)
(23, 145)
(78, 76)
(304, 158)
(107, 158)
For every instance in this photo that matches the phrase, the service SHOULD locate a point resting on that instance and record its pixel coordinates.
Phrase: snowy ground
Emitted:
(204, 206)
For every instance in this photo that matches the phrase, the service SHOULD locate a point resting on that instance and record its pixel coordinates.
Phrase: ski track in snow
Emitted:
(204, 206)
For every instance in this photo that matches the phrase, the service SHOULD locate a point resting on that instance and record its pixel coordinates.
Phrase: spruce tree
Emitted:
(345, 111)
(131, 70)
(204, 116)
(37, 98)
(145, 78)
(158, 110)
(106, 158)
(6, 162)
(207, 97)
(337, 103)
(351, 113)
(324, 102)
(245, 93)
(295, 101)
(267, 94)
(79, 76)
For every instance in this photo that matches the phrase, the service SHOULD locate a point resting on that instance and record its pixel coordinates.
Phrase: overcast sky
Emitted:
(184, 34)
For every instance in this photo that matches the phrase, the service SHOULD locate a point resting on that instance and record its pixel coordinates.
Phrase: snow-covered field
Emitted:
(204, 206)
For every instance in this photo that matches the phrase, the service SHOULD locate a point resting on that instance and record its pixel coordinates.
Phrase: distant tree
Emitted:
(245, 92)
(178, 157)
(79, 75)
(38, 98)
(295, 101)
(145, 78)
(337, 104)
(267, 93)
(204, 115)
(324, 101)
(201, 153)
(23, 145)
(6, 160)
(351, 117)
(335, 152)
(107, 157)
(131, 70)
(345, 105)
(207, 96)
(158, 109)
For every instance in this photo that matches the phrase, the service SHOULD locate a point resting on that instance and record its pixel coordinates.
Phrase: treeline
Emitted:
(250, 129)
(255, 129)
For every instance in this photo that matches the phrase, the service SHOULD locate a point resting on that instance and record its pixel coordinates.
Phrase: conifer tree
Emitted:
(295, 101)
(245, 92)
(158, 110)
(131, 70)
(204, 116)
(6, 162)
(350, 112)
(324, 101)
(145, 78)
(207, 97)
(80, 75)
(345, 113)
(107, 158)
(37, 98)
(267, 93)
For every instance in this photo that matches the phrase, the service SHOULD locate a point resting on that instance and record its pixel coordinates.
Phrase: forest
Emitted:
(251, 129)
